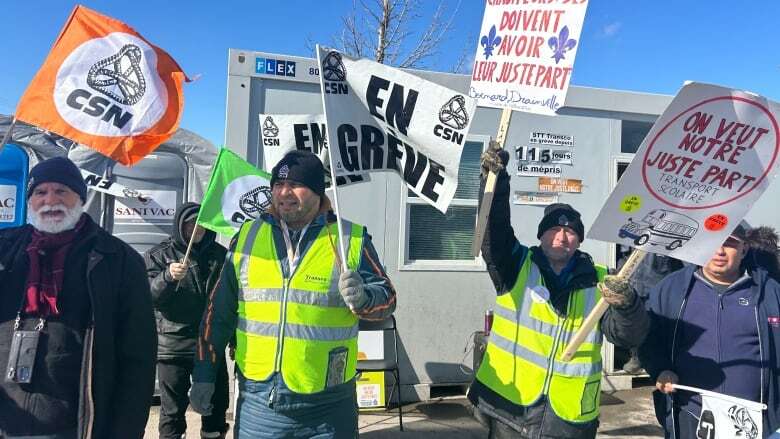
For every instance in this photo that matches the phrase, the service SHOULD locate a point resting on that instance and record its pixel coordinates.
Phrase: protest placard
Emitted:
(547, 184)
(536, 160)
(702, 166)
(551, 139)
(526, 54)
(383, 119)
(534, 198)
(282, 133)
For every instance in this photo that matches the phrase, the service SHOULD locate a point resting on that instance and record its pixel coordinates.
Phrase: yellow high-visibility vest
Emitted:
(293, 325)
(523, 356)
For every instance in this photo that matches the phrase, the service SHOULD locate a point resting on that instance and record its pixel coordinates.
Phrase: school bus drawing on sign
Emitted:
(660, 227)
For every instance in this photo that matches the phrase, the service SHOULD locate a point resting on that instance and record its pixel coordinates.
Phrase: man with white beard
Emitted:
(77, 333)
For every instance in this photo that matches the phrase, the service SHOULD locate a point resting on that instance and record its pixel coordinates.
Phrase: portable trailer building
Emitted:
(443, 292)
(177, 171)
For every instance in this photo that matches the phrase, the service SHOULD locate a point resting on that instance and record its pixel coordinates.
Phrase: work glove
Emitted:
(200, 397)
(616, 291)
(494, 159)
(352, 290)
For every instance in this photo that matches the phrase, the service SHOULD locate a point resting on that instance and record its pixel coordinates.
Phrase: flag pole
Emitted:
(333, 183)
(490, 186)
(590, 322)
(7, 135)
(189, 249)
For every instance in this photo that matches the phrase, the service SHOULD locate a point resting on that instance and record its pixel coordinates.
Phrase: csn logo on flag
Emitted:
(104, 96)
(105, 86)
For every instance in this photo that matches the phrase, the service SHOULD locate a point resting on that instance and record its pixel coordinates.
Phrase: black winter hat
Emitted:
(302, 167)
(561, 214)
(57, 170)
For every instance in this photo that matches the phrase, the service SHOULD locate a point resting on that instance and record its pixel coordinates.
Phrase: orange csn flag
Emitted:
(107, 87)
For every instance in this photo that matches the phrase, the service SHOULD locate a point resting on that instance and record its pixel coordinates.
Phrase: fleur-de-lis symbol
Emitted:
(490, 41)
(561, 44)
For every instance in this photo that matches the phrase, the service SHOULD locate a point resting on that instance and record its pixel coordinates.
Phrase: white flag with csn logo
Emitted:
(282, 133)
(383, 119)
(727, 417)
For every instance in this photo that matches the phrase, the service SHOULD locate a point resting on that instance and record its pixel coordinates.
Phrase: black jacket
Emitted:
(178, 313)
(504, 255)
(115, 341)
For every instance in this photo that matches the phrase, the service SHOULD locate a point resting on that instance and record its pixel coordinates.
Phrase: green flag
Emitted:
(237, 192)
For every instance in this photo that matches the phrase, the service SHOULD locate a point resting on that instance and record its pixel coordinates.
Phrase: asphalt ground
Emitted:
(624, 414)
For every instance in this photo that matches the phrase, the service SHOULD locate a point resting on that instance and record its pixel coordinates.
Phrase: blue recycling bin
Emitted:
(14, 166)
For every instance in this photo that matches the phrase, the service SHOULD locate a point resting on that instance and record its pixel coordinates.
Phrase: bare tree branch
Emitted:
(395, 40)
(465, 61)
(431, 38)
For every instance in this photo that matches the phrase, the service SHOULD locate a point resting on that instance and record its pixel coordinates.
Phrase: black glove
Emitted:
(200, 398)
(617, 292)
(493, 159)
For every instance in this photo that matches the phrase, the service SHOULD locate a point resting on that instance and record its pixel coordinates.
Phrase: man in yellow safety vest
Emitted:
(293, 306)
(523, 387)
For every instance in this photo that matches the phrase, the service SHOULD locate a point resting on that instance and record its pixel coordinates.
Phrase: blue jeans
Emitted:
(330, 414)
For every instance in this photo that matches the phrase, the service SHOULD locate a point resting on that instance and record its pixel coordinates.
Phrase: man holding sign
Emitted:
(715, 327)
(544, 292)
(293, 304)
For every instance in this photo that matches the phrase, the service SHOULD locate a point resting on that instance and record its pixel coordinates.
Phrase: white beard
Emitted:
(48, 225)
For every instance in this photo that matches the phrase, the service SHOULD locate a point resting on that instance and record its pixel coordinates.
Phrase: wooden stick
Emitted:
(185, 261)
(490, 186)
(593, 318)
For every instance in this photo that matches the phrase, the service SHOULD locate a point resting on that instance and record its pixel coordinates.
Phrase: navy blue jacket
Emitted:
(665, 308)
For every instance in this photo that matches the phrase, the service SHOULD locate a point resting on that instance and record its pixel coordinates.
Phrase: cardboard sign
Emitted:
(370, 386)
(537, 154)
(534, 198)
(527, 169)
(383, 119)
(547, 184)
(282, 133)
(525, 54)
(551, 139)
(702, 166)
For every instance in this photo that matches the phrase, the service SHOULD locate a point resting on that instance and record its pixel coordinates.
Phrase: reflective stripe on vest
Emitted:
(523, 357)
(293, 325)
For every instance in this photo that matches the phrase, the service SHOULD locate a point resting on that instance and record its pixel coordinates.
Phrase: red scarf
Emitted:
(47, 253)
